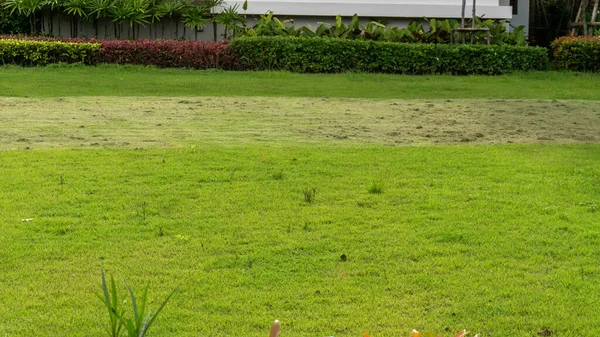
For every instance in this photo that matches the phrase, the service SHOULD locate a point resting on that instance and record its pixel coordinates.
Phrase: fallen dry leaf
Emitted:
(275, 329)
(545, 332)
(462, 333)
(415, 333)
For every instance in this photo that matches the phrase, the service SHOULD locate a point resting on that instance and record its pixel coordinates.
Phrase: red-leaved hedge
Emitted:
(161, 53)
(167, 54)
(577, 53)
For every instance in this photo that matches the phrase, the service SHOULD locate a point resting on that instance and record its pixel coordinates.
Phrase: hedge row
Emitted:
(167, 54)
(307, 55)
(31, 53)
(163, 54)
(577, 53)
(318, 55)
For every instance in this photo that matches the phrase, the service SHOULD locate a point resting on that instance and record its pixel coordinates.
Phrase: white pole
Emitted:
(464, 8)
(474, 12)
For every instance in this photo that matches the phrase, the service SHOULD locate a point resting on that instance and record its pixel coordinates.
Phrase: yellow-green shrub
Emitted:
(35, 53)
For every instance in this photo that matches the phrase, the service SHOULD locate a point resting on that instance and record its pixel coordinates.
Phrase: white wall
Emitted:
(380, 8)
(522, 19)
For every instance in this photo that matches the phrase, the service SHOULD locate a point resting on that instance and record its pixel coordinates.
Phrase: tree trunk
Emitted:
(71, 25)
(51, 23)
(215, 29)
(80, 26)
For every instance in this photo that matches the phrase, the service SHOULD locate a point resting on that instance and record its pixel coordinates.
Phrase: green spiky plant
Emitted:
(110, 299)
(141, 322)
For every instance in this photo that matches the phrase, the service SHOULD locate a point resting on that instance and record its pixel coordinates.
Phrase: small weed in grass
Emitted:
(140, 323)
(376, 187)
(277, 175)
(309, 194)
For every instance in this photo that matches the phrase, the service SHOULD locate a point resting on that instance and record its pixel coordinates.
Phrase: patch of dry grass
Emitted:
(135, 122)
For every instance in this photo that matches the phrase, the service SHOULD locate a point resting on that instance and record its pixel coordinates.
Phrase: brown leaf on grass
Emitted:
(545, 332)
(275, 329)
(462, 333)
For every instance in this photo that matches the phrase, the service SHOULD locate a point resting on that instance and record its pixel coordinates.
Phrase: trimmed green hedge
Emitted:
(323, 55)
(577, 53)
(39, 53)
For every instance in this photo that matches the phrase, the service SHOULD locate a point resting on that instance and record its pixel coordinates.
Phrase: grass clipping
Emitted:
(116, 122)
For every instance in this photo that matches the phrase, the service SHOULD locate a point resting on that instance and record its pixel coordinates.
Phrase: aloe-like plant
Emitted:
(140, 322)
(111, 301)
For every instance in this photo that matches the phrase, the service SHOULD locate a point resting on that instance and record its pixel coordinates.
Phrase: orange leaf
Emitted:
(415, 333)
(366, 335)
(462, 333)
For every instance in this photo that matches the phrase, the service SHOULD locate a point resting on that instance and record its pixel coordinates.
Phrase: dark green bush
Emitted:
(577, 53)
(35, 53)
(324, 55)
(14, 23)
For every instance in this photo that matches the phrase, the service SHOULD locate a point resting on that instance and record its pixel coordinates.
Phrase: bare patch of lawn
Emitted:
(135, 122)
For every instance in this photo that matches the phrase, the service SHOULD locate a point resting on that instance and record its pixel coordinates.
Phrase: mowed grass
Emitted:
(110, 80)
(494, 230)
(501, 240)
(134, 123)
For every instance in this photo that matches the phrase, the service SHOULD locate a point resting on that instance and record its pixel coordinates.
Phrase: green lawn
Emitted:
(497, 233)
(109, 80)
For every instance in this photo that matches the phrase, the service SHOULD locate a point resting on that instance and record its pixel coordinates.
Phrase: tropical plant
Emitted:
(231, 20)
(196, 18)
(439, 31)
(29, 8)
(77, 9)
(99, 9)
(12, 23)
(49, 8)
(170, 9)
(140, 322)
(213, 6)
(131, 12)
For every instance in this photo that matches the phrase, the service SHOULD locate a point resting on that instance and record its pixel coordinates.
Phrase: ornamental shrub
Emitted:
(39, 53)
(14, 23)
(324, 55)
(167, 54)
(577, 53)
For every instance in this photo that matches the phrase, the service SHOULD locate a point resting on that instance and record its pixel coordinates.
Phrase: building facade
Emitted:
(313, 12)
(398, 12)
